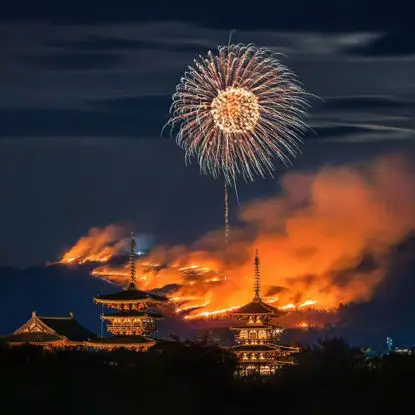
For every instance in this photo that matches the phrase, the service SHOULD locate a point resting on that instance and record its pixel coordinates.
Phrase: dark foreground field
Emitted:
(197, 378)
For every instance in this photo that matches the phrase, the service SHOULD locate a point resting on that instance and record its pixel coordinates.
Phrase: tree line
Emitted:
(198, 377)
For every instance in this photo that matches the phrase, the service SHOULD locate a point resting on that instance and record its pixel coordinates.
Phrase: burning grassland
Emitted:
(323, 241)
(98, 246)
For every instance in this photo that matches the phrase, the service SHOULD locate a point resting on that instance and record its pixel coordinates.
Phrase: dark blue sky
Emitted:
(85, 91)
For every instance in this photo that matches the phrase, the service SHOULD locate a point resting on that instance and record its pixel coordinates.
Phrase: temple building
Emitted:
(50, 333)
(130, 326)
(134, 318)
(256, 337)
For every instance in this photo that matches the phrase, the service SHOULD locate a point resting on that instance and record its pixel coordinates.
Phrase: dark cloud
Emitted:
(391, 44)
(74, 60)
(318, 15)
(144, 118)
(157, 103)
(80, 97)
(360, 103)
(102, 43)
(134, 123)
(330, 132)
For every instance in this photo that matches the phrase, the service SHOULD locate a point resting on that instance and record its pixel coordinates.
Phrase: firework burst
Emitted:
(237, 110)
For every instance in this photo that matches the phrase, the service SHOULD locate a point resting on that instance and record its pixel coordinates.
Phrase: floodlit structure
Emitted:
(133, 321)
(50, 333)
(130, 326)
(257, 350)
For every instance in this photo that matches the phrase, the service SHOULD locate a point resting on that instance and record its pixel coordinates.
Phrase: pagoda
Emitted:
(257, 350)
(133, 321)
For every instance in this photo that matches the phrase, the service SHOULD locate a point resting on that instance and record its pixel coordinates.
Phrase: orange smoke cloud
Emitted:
(322, 242)
(98, 246)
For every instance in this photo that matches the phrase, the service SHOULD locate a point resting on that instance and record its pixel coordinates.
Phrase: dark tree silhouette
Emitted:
(197, 377)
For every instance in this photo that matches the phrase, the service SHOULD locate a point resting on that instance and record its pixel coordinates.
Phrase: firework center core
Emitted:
(235, 110)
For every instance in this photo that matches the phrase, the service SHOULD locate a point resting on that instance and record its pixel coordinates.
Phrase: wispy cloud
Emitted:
(111, 80)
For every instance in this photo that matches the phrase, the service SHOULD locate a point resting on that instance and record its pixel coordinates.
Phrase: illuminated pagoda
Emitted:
(50, 333)
(257, 350)
(132, 323)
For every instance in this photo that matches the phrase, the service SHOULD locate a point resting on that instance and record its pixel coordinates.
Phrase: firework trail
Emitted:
(237, 110)
(227, 227)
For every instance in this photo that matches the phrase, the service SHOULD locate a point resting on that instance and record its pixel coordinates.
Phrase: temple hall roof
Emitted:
(68, 327)
(40, 329)
(130, 295)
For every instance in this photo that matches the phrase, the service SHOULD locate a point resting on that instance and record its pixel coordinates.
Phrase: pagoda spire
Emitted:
(132, 261)
(257, 278)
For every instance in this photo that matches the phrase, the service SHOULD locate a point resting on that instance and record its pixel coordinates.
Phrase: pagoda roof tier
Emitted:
(255, 326)
(130, 296)
(254, 348)
(267, 347)
(122, 341)
(132, 313)
(255, 307)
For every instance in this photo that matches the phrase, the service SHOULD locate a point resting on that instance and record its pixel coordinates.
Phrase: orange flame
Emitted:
(322, 242)
(98, 246)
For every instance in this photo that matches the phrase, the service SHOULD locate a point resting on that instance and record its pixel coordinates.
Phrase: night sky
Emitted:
(86, 89)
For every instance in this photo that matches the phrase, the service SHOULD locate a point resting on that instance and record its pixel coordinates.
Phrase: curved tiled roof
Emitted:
(130, 295)
(255, 307)
(253, 326)
(68, 327)
(134, 313)
(254, 348)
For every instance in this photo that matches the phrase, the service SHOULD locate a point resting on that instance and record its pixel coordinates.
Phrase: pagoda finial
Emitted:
(132, 261)
(257, 278)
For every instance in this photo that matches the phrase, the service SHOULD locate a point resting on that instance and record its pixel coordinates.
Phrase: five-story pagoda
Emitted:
(257, 350)
(133, 322)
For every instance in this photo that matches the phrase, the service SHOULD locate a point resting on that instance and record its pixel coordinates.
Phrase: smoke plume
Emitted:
(324, 239)
(99, 245)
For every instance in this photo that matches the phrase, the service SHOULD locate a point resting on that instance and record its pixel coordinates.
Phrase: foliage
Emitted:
(197, 377)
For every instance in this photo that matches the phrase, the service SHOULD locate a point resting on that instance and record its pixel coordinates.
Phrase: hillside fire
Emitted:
(323, 242)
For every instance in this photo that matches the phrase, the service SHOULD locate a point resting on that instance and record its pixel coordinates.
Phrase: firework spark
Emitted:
(238, 109)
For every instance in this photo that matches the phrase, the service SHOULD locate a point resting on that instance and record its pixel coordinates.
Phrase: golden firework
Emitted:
(238, 109)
